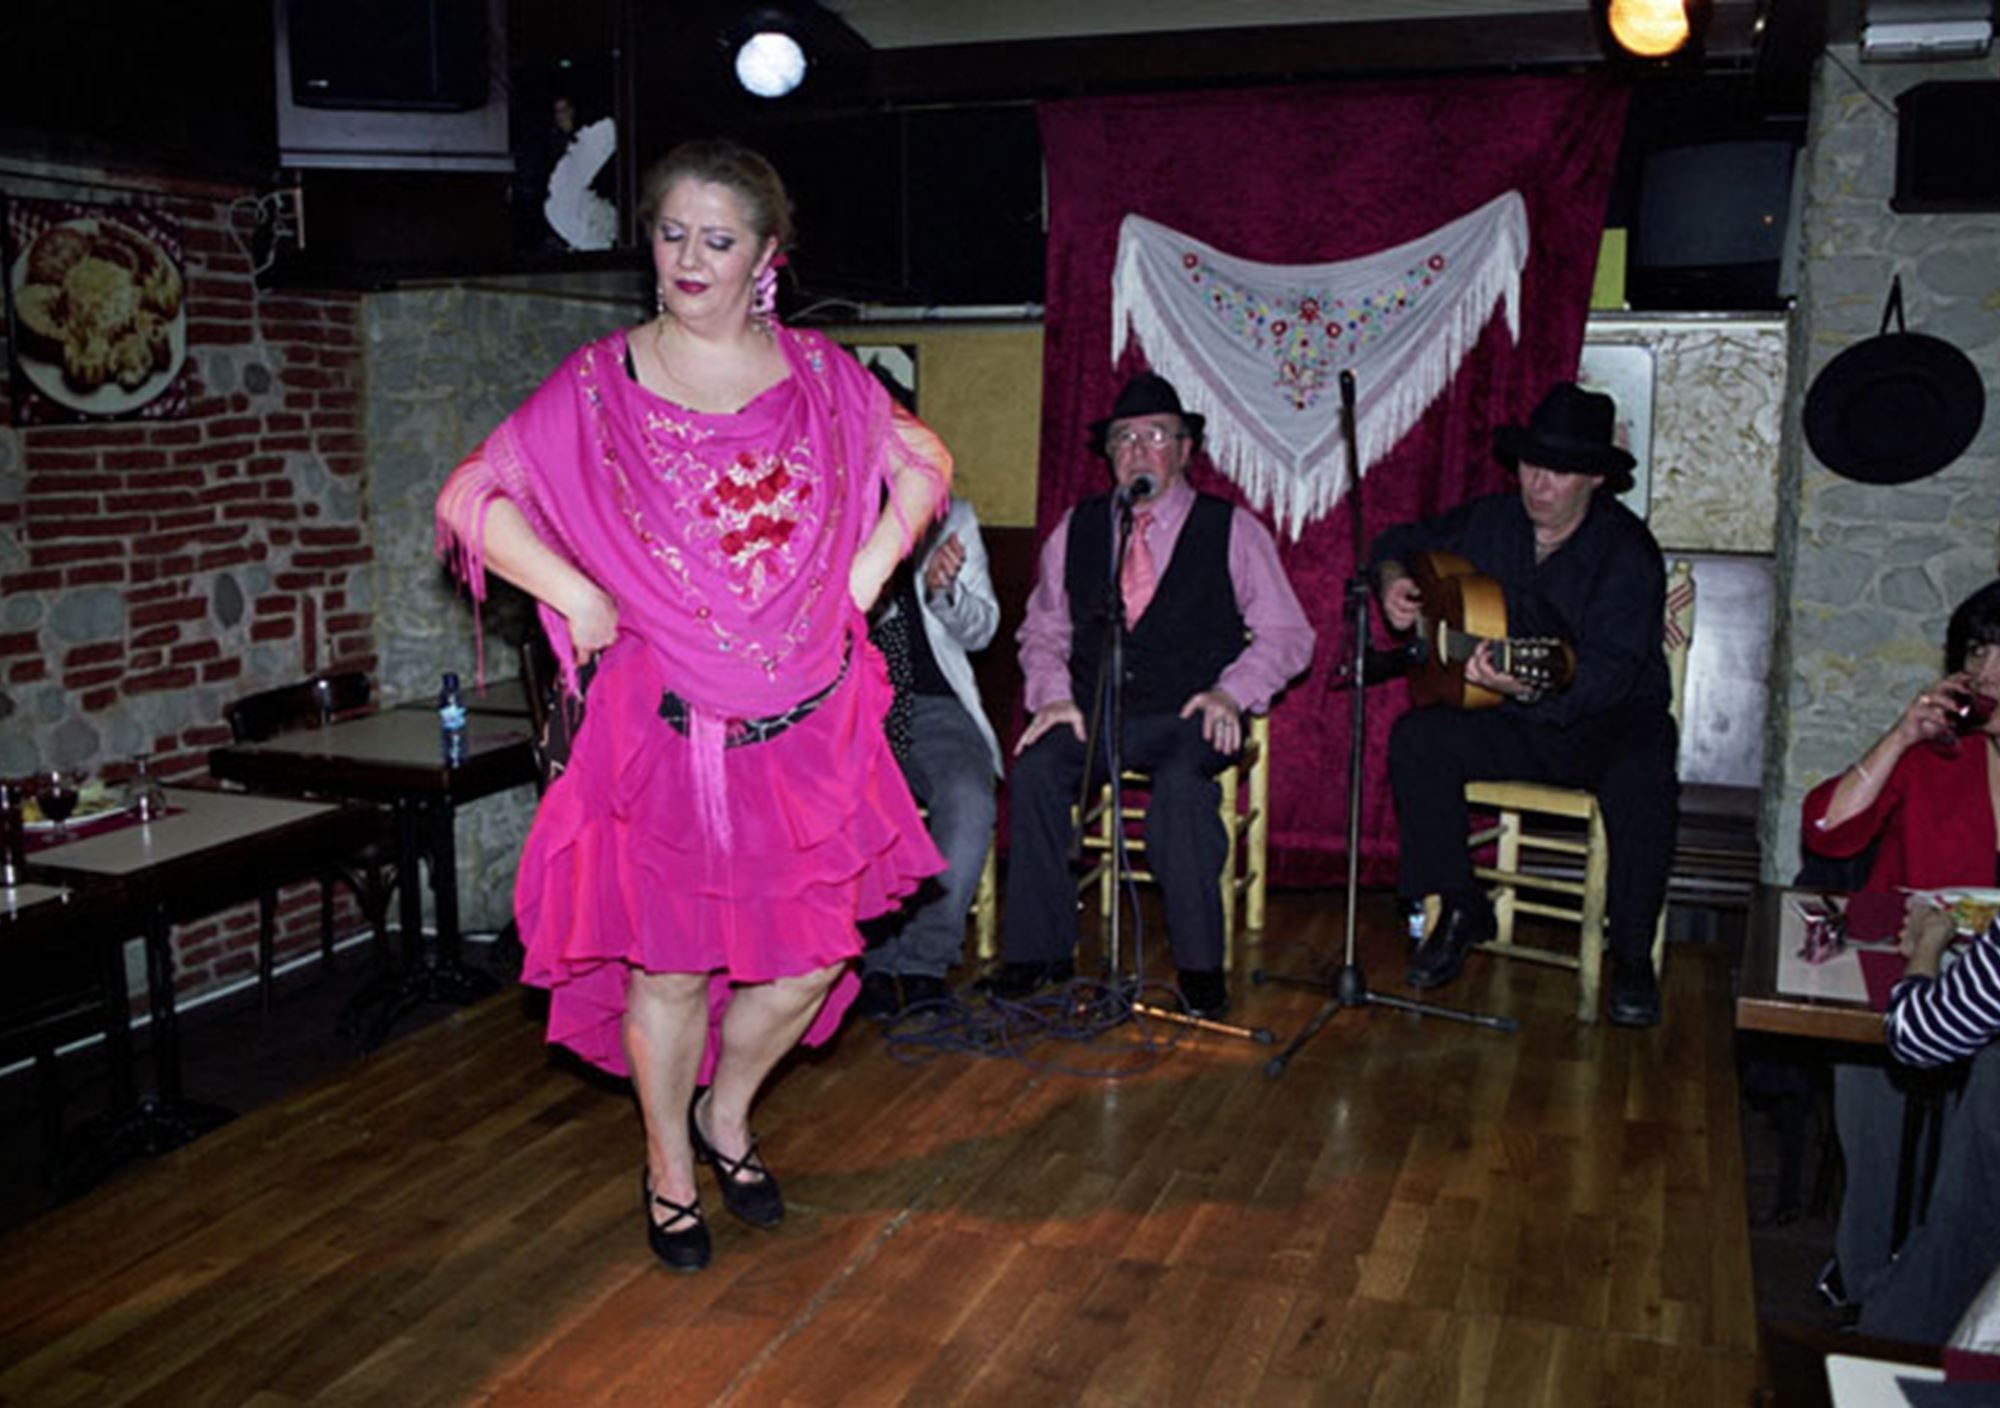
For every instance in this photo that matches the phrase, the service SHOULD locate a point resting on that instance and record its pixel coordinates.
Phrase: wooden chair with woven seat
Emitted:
(986, 907)
(1246, 818)
(1541, 833)
(369, 871)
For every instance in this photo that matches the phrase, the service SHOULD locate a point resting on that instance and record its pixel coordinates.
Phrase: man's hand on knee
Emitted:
(1047, 717)
(1221, 718)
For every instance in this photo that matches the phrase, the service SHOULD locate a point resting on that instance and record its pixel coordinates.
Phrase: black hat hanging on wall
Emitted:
(1894, 407)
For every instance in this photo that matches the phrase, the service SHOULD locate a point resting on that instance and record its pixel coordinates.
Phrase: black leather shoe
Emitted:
(1011, 982)
(1635, 995)
(687, 1247)
(748, 1190)
(1461, 923)
(922, 990)
(1205, 991)
(879, 999)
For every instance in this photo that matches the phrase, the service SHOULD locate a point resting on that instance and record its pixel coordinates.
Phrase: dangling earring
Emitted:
(764, 306)
(660, 299)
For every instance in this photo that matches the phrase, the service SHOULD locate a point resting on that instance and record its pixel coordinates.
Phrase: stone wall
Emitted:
(1868, 575)
(151, 571)
(446, 365)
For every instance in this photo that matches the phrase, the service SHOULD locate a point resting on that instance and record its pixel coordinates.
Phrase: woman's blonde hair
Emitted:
(721, 162)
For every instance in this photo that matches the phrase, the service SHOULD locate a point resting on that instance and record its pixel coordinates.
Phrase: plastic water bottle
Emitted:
(451, 721)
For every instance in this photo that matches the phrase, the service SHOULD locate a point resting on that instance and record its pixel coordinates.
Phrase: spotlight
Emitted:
(1653, 29)
(770, 61)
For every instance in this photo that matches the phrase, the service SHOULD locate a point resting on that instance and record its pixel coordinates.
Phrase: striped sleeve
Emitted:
(1935, 1021)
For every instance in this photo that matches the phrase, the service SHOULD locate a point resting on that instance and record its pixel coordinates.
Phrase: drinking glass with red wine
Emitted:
(1966, 711)
(57, 791)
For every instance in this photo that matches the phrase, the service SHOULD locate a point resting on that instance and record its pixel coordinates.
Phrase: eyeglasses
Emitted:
(1153, 437)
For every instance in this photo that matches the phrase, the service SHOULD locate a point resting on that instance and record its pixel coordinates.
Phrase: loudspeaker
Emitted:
(398, 55)
(1946, 155)
(1713, 221)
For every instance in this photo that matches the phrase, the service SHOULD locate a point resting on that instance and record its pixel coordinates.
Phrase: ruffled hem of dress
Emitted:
(823, 833)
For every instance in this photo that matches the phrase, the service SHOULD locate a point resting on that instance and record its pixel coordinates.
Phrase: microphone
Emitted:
(1141, 487)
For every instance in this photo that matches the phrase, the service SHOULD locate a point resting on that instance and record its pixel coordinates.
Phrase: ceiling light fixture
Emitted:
(770, 62)
(1653, 29)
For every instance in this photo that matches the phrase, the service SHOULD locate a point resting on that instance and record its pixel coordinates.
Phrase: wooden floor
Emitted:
(1417, 1212)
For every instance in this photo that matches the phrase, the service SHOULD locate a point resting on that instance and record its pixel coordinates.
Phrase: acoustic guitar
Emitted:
(1462, 609)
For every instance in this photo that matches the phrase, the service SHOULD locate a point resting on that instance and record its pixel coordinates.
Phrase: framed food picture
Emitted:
(96, 298)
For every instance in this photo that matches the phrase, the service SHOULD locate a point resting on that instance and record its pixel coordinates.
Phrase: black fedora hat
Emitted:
(1571, 430)
(1894, 407)
(1147, 394)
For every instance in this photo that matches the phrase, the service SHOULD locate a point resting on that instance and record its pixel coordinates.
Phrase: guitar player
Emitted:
(1571, 563)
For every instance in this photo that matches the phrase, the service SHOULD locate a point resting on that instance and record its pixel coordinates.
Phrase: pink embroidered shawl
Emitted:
(724, 539)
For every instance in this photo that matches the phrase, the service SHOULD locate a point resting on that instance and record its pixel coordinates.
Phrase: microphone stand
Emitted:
(1107, 725)
(1348, 986)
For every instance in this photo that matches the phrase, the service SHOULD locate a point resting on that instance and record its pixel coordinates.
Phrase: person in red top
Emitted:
(1924, 796)
(1929, 811)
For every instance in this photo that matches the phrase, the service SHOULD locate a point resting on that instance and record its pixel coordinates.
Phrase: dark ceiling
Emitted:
(904, 151)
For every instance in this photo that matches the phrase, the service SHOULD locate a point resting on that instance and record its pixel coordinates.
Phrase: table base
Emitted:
(432, 978)
(153, 1126)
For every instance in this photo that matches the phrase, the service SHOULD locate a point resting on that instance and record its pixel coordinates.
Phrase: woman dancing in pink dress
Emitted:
(698, 505)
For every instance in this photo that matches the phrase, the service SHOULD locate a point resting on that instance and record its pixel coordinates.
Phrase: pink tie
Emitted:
(1138, 579)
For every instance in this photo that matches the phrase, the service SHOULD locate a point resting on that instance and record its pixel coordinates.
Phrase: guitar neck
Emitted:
(1456, 647)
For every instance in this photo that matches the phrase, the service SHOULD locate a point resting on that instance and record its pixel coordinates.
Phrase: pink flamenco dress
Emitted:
(731, 805)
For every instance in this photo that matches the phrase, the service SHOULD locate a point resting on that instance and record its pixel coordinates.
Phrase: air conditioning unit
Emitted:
(1926, 30)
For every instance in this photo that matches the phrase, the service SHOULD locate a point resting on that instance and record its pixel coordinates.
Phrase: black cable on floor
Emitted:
(1086, 1015)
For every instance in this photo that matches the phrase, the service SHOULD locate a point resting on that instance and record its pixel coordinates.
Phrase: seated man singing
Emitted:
(1200, 579)
(1572, 563)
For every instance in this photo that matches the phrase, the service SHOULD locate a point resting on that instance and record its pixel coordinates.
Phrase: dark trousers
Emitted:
(1945, 1262)
(1626, 756)
(1185, 840)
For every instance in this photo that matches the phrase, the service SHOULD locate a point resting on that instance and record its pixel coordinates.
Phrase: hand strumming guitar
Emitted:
(1402, 602)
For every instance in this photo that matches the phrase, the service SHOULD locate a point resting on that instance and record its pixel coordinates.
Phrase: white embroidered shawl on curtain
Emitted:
(1258, 348)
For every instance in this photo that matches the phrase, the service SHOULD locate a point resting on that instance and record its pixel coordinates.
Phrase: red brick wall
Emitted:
(162, 510)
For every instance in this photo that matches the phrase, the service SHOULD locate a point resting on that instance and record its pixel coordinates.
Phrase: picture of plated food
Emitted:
(98, 319)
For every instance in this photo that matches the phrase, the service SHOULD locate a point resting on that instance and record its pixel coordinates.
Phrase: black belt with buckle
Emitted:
(743, 732)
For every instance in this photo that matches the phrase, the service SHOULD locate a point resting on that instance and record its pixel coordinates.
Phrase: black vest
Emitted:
(1191, 630)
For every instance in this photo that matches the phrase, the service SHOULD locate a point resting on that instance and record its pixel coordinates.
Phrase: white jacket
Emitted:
(963, 617)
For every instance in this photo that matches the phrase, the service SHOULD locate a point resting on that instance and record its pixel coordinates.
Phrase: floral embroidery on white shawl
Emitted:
(1258, 348)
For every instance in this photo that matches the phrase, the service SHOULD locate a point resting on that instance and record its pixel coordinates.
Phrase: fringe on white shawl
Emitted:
(1272, 477)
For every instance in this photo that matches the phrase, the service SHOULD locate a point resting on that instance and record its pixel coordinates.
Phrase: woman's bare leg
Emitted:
(764, 1021)
(666, 1030)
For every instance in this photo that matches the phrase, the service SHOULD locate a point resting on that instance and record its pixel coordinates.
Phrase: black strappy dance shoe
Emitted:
(754, 1198)
(686, 1249)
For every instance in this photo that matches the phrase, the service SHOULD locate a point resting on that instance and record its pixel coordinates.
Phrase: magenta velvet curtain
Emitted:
(1311, 175)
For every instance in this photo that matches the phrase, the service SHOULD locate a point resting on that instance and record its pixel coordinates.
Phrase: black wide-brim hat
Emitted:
(1571, 430)
(1894, 408)
(1147, 394)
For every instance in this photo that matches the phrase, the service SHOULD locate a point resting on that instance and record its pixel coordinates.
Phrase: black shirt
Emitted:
(1603, 590)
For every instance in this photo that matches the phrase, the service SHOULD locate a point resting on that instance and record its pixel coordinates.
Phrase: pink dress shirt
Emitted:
(1281, 640)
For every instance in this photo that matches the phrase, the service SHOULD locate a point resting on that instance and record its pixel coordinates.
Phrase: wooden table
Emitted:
(64, 952)
(395, 758)
(1781, 992)
(1828, 1002)
(508, 698)
(210, 851)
